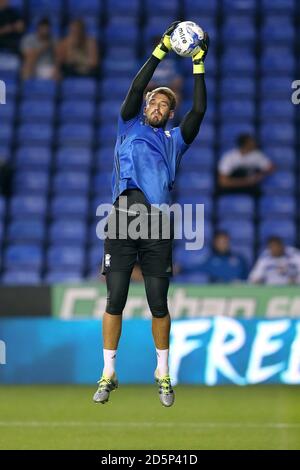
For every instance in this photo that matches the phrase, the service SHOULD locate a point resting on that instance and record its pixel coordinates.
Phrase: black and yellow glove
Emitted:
(164, 45)
(198, 59)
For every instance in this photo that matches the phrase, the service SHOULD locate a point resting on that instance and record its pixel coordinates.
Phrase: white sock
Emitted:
(162, 362)
(109, 356)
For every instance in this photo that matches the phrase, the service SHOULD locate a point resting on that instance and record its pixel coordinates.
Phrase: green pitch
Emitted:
(63, 417)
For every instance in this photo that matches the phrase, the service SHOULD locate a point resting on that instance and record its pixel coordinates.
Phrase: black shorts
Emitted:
(122, 251)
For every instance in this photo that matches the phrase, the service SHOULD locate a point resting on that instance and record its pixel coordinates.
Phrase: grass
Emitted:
(64, 417)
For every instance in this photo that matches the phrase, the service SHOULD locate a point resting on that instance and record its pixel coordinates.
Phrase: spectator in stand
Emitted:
(77, 53)
(11, 28)
(39, 53)
(277, 265)
(242, 169)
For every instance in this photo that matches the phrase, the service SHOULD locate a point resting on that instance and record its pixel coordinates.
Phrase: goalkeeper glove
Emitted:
(198, 59)
(164, 45)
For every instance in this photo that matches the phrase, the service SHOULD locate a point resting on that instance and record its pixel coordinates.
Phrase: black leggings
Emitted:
(117, 290)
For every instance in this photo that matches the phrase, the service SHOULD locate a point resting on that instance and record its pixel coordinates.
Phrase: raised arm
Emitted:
(191, 122)
(134, 99)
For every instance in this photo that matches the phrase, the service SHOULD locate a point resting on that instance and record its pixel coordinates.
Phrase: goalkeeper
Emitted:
(145, 164)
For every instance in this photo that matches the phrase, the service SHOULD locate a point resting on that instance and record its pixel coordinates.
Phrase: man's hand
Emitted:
(198, 59)
(164, 45)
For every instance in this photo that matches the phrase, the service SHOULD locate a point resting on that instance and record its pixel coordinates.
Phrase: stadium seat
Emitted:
(60, 257)
(271, 60)
(45, 7)
(272, 109)
(239, 29)
(72, 134)
(271, 206)
(79, 88)
(63, 206)
(35, 110)
(1, 234)
(28, 206)
(191, 7)
(41, 134)
(241, 206)
(202, 182)
(237, 231)
(121, 8)
(277, 6)
(84, 8)
(121, 32)
(279, 87)
(191, 259)
(120, 87)
(241, 109)
(105, 158)
(35, 88)
(283, 156)
(77, 111)
(192, 278)
(107, 133)
(23, 256)
(6, 134)
(33, 158)
(239, 6)
(230, 131)
(237, 87)
(95, 254)
(7, 112)
(193, 199)
(63, 276)
(71, 182)
(277, 28)
(282, 182)
(197, 159)
(73, 158)
(283, 228)
(2, 207)
(277, 133)
(67, 231)
(238, 60)
(21, 277)
(109, 111)
(27, 182)
(26, 231)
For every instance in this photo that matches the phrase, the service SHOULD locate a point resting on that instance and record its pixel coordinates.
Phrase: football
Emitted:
(186, 38)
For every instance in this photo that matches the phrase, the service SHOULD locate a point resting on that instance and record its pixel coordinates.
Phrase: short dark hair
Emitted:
(44, 22)
(242, 139)
(275, 239)
(164, 91)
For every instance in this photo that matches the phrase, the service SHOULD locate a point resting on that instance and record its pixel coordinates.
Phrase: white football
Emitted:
(186, 37)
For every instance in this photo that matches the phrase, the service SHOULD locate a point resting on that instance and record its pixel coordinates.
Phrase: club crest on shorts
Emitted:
(107, 260)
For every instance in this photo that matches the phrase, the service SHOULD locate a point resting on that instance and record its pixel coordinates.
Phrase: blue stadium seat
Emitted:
(26, 182)
(71, 182)
(11, 88)
(28, 206)
(246, 251)
(237, 231)
(26, 231)
(121, 8)
(62, 206)
(278, 28)
(68, 231)
(241, 109)
(120, 31)
(239, 29)
(230, 131)
(1, 233)
(79, 87)
(283, 156)
(274, 109)
(23, 256)
(123, 67)
(241, 206)
(239, 60)
(84, 8)
(35, 110)
(45, 7)
(279, 87)
(283, 228)
(191, 7)
(6, 134)
(19, 4)
(41, 134)
(190, 259)
(95, 254)
(163, 7)
(77, 111)
(7, 112)
(282, 182)
(36, 88)
(277, 133)
(63, 276)
(109, 110)
(198, 158)
(239, 6)
(192, 278)
(63, 256)
(120, 86)
(206, 135)
(271, 60)
(73, 158)
(107, 133)
(237, 86)
(202, 182)
(271, 206)
(103, 180)
(69, 134)
(277, 6)
(33, 157)
(105, 158)
(181, 198)
(22, 278)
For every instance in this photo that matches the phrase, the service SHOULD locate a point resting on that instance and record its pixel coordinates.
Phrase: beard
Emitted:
(157, 120)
